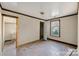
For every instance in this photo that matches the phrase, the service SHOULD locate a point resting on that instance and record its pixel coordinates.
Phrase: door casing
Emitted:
(17, 29)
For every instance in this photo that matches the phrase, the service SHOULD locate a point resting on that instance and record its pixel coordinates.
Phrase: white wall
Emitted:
(68, 29)
(29, 28)
(0, 33)
(9, 28)
(10, 31)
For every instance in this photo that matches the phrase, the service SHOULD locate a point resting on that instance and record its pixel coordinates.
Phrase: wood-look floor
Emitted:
(39, 48)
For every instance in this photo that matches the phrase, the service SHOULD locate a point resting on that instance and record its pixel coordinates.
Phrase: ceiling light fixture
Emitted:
(41, 9)
(42, 13)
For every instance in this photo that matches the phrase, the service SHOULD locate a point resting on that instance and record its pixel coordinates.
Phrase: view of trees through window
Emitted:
(55, 28)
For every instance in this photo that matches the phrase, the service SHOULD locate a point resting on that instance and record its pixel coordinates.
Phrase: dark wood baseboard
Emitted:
(62, 42)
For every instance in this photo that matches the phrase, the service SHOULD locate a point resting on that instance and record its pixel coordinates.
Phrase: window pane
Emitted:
(55, 28)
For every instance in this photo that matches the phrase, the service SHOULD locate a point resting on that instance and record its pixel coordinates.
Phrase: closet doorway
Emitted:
(41, 30)
(10, 34)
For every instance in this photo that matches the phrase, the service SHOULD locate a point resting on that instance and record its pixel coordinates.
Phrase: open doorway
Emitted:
(41, 30)
(9, 34)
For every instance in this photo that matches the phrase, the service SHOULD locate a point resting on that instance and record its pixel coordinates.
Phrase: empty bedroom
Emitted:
(39, 28)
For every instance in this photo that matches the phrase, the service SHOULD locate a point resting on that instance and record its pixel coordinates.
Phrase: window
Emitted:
(55, 28)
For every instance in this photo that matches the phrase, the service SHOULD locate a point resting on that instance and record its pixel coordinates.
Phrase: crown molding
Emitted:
(63, 16)
(34, 16)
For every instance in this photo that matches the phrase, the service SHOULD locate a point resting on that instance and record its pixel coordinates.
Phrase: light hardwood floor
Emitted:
(39, 48)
